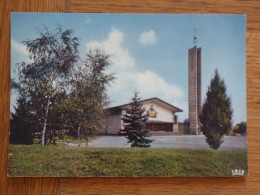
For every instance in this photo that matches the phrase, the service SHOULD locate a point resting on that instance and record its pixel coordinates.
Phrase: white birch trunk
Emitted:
(45, 122)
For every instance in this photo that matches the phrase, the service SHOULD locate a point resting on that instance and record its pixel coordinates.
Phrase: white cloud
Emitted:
(129, 78)
(120, 57)
(148, 83)
(16, 46)
(148, 38)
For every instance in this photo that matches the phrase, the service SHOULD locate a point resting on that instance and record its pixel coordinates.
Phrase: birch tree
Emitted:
(88, 95)
(52, 57)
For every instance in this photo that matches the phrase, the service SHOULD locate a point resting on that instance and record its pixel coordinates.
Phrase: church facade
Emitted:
(161, 116)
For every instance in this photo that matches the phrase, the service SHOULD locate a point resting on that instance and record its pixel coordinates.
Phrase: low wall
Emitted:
(183, 128)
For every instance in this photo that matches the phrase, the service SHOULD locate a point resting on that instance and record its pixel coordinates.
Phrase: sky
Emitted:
(149, 52)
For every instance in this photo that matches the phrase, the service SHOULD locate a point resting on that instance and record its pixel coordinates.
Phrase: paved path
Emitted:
(188, 142)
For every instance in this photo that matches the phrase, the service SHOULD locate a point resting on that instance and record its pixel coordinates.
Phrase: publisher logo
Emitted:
(238, 172)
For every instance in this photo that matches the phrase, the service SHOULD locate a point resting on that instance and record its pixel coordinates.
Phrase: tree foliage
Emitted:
(186, 121)
(21, 124)
(216, 113)
(61, 92)
(240, 128)
(87, 98)
(52, 56)
(135, 124)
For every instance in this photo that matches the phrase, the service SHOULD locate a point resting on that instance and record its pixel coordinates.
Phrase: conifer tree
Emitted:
(135, 124)
(216, 113)
(21, 124)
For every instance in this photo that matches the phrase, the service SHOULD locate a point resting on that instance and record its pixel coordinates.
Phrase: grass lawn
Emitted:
(66, 138)
(64, 161)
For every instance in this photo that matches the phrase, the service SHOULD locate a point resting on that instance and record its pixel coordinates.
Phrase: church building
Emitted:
(161, 116)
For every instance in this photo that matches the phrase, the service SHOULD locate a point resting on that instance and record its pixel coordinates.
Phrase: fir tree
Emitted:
(21, 124)
(135, 124)
(216, 113)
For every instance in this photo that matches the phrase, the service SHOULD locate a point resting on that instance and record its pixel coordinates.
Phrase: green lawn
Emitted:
(63, 161)
(66, 138)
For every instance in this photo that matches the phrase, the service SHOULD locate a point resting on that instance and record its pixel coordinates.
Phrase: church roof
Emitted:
(154, 100)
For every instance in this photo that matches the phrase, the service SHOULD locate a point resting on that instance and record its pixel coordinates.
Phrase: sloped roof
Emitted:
(152, 100)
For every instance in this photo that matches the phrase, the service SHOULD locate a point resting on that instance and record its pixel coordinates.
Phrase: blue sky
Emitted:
(150, 51)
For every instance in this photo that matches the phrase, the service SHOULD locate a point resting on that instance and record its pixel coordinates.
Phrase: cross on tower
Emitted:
(195, 39)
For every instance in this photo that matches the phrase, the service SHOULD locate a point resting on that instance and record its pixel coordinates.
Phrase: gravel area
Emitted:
(187, 141)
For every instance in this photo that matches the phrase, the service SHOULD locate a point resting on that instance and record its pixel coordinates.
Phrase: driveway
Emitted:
(187, 142)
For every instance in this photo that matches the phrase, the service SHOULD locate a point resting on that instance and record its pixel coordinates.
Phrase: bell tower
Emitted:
(194, 87)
